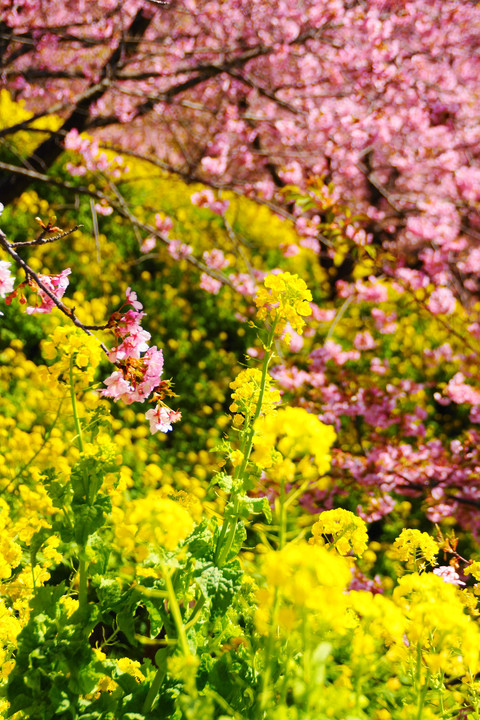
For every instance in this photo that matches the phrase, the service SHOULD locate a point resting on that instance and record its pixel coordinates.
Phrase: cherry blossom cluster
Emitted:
(140, 366)
(206, 198)
(94, 160)
(377, 98)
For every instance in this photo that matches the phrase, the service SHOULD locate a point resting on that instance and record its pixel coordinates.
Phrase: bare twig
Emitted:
(43, 240)
(59, 304)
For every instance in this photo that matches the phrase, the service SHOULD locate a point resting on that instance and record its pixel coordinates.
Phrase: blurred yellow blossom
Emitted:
(348, 532)
(284, 299)
(246, 392)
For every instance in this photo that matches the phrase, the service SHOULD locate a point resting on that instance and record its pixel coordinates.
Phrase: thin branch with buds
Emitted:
(29, 273)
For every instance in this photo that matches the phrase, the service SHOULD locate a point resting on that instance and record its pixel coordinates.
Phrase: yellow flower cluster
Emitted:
(306, 578)
(412, 545)
(293, 443)
(131, 667)
(149, 524)
(10, 551)
(347, 531)
(473, 569)
(436, 617)
(10, 626)
(246, 392)
(70, 343)
(284, 299)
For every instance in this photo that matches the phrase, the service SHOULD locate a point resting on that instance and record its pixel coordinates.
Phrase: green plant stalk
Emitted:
(227, 533)
(181, 640)
(421, 689)
(307, 661)
(82, 563)
(156, 684)
(176, 614)
(267, 673)
(421, 697)
(196, 612)
(282, 532)
(46, 438)
(76, 418)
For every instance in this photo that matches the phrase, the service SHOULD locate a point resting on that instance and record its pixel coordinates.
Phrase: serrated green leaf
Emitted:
(219, 585)
(201, 542)
(89, 518)
(224, 482)
(238, 541)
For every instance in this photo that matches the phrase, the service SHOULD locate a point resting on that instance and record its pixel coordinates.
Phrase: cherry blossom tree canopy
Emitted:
(380, 97)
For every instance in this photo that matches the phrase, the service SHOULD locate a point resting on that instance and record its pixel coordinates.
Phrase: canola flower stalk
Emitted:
(82, 563)
(227, 533)
(284, 298)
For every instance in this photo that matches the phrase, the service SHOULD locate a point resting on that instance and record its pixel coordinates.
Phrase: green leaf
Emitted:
(238, 541)
(89, 518)
(219, 585)
(99, 552)
(201, 541)
(223, 480)
(246, 506)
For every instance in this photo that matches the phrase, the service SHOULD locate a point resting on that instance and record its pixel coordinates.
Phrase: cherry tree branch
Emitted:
(29, 273)
(122, 209)
(49, 151)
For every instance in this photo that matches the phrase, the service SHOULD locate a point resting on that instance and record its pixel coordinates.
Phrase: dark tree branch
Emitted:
(29, 273)
(121, 209)
(46, 154)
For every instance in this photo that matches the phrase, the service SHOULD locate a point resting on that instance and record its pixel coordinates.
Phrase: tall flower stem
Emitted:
(267, 671)
(82, 563)
(181, 641)
(282, 531)
(227, 533)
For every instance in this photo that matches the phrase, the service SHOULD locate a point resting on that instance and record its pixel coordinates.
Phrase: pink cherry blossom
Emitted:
(179, 250)
(210, 284)
(132, 299)
(364, 341)
(6, 279)
(161, 419)
(148, 245)
(448, 574)
(460, 392)
(163, 224)
(215, 259)
(442, 301)
(206, 198)
(57, 284)
(117, 386)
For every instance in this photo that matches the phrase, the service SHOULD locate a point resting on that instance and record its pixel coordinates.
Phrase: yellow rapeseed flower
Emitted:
(284, 299)
(292, 434)
(348, 532)
(70, 343)
(412, 545)
(246, 392)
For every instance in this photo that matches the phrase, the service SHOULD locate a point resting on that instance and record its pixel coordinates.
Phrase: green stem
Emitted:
(76, 418)
(82, 564)
(82, 586)
(282, 534)
(181, 638)
(265, 693)
(157, 680)
(196, 611)
(422, 696)
(227, 533)
(176, 614)
(230, 524)
(45, 440)
(421, 690)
